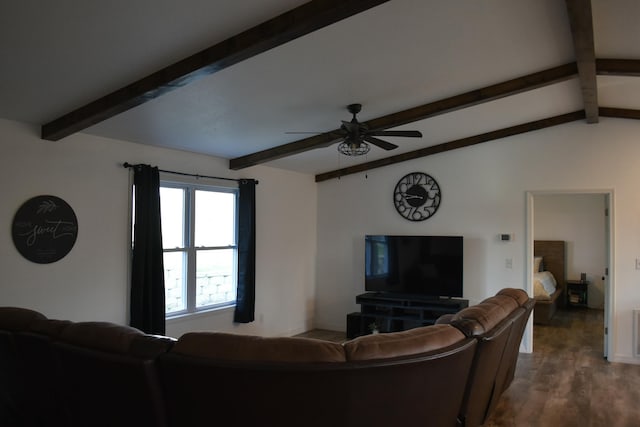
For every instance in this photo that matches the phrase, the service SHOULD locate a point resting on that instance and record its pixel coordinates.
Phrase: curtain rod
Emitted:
(129, 165)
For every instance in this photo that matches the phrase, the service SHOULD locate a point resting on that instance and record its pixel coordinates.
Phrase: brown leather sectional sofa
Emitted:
(498, 325)
(61, 373)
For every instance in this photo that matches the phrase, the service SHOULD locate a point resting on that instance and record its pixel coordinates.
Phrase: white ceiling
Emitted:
(59, 55)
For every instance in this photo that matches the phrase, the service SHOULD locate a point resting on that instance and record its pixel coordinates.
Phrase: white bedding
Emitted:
(544, 285)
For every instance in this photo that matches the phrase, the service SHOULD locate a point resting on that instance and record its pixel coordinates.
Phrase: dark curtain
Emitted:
(245, 300)
(147, 272)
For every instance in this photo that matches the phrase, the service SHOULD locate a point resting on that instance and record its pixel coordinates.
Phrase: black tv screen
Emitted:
(414, 265)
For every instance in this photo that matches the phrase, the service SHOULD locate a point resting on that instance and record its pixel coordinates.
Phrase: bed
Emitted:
(551, 255)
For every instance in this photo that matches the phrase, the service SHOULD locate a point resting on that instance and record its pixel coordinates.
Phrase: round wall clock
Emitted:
(44, 229)
(417, 196)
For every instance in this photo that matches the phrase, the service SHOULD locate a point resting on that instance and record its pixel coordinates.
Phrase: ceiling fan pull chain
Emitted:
(366, 159)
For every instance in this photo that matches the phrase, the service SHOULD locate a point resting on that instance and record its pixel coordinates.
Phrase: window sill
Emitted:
(176, 318)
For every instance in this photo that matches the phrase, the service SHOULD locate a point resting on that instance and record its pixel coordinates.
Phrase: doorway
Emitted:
(583, 219)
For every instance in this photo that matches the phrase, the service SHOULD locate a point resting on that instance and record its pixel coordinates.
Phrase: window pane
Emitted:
(215, 219)
(215, 277)
(174, 281)
(172, 214)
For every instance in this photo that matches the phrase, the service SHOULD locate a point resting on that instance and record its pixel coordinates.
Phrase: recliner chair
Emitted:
(108, 377)
(12, 390)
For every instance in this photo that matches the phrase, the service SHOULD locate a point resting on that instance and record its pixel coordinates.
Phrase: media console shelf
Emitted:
(392, 313)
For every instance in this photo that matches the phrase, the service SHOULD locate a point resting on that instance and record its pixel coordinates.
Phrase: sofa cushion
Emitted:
(504, 302)
(481, 318)
(18, 319)
(230, 347)
(519, 295)
(102, 336)
(404, 343)
(49, 327)
(445, 319)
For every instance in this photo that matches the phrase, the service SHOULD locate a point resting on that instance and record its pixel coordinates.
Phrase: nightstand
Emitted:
(577, 293)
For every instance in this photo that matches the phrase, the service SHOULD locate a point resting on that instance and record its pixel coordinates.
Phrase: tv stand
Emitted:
(397, 312)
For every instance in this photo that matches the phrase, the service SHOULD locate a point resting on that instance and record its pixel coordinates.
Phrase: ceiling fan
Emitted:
(356, 135)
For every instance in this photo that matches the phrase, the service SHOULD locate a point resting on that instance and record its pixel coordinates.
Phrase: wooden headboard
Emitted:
(553, 257)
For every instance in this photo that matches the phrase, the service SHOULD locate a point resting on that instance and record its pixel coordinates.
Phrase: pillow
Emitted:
(544, 284)
(538, 291)
(537, 264)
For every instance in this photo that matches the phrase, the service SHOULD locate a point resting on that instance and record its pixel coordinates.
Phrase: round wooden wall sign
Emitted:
(44, 229)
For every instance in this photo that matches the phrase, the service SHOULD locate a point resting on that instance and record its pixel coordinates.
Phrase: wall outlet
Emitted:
(637, 263)
(508, 263)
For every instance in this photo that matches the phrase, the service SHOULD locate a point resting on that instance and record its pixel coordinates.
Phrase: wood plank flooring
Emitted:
(566, 381)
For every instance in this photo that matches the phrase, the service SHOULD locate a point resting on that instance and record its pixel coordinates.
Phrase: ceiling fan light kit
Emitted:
(353, 148)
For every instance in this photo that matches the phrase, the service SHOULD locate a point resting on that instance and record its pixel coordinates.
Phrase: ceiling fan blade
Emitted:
(405, 133)
(333, 137)
(338, 133)
(323, 139)
(303, 133)
(380, 143)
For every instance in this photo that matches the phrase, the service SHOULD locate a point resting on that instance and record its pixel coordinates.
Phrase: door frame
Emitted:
(609, 283)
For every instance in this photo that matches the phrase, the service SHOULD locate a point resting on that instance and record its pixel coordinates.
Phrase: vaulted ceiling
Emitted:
(236, 79)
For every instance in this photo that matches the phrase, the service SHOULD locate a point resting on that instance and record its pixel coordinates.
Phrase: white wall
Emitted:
(310, 260)
(579, 220)
(484, 194)
(90, 283)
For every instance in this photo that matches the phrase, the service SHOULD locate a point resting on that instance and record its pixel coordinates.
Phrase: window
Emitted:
(376, 255)
(199, 236)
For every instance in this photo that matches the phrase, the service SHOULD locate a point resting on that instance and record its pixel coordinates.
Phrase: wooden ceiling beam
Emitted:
(620, 113)
(275, 32)
(454, 103)
(454, 145)
(618, 67)
(581, 21)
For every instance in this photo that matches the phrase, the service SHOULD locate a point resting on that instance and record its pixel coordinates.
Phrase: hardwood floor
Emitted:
(566, 381)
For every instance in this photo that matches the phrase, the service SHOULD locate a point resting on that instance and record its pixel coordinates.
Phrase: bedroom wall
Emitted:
(484, 194)
(90, 283)
(579, 220)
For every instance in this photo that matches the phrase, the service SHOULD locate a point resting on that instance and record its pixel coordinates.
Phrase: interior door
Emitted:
(605, 277)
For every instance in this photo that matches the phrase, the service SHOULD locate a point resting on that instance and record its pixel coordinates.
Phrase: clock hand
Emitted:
(412, 196)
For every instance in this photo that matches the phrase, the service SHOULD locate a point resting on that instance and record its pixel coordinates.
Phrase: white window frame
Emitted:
(191, 250)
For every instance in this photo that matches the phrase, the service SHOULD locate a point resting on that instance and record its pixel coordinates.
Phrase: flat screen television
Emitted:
(414, 265)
